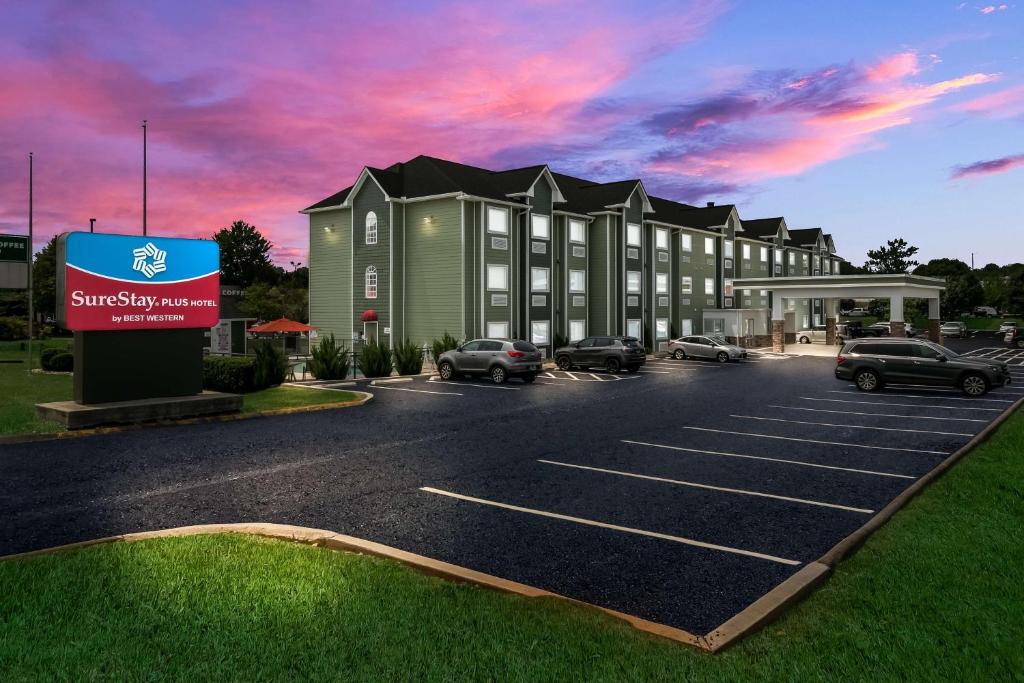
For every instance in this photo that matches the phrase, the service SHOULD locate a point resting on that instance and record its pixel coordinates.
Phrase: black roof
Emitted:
(803, 237)
(762, 228)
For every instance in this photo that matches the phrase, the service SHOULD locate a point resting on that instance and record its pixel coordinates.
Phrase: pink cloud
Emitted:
(990, 167)
(1005, 103)
(894, 67)
(989, 9)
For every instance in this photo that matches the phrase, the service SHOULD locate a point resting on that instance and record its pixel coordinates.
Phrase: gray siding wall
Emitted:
(492, 255)
(541, 205)
(660, 263)
(572, 262)
(398, 280)
(634, 214)
(433, 271)
(598, 259)
(330, 274)
(691, 306)
(370, 198)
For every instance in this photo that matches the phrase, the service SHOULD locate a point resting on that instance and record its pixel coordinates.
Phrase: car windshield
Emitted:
(947, 352)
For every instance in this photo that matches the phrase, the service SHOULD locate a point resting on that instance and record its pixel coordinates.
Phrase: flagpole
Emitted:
(31, 308)
(144, 162)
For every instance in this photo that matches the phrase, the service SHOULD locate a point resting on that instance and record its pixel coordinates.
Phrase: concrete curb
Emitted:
(231, 417)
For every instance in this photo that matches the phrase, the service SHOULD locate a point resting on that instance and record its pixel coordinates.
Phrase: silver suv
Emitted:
(496, 358)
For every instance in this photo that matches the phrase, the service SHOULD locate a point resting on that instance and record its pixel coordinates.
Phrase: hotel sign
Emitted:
(13, 261)
(128, 282)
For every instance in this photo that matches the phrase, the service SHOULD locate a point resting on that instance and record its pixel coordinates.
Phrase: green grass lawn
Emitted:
(937, 594)
(21, 391)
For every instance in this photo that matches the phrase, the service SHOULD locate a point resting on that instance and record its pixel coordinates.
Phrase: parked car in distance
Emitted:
(610, 353)
(884, 328)
(699, 346)
(953, 328)
(496, 358)
(811, 334)
(857, 312)
(985, 312)
(851, 329)
(875, 331)
(1015, 338)
(873, 363)
(1007, 325)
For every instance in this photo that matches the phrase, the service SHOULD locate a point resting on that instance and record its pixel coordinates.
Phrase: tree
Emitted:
(245, 255)
(893, 257)
(270, 302)
(963, 289)
(44, 281)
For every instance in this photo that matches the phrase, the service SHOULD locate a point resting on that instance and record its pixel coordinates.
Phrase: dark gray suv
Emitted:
(610, 353)
(496, 358)
(872, 363)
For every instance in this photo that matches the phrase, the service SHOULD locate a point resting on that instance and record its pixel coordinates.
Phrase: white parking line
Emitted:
(655, 372)
(828, 443)
(420, 391)
(474, 386)
(929, 398)
(744, 492)
(901, 405)
(614, 527)
(828, 424)
(762, 457)
(906, 417)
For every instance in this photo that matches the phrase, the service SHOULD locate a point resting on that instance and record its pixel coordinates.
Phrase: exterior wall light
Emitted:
(328, 228)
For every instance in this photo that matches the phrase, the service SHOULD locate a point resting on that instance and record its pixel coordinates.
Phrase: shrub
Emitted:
(559, 341)
(408, 358)
(235, 374)
(62, 362)
(271, 364)
(375, 360)
(46, 357)
(12, 328)
(329, 361)
(446, 343)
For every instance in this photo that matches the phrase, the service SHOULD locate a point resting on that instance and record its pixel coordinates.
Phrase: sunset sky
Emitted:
(869, 119)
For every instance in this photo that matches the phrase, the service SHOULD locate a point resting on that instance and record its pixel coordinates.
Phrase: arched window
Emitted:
(371, 228)
(371, 282)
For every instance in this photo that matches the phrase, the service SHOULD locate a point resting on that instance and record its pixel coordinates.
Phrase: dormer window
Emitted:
(371, 228)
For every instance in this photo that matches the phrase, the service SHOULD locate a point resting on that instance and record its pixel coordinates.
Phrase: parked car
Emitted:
(811, 334)
(1015, 337)
(697, 346)
(851, 329)
(496, 358)
(953, 328)
(875, 331)
(857, 312)
(1007, 326)
(872, 363)
(985, 312)
(610, 353)
(883, 328)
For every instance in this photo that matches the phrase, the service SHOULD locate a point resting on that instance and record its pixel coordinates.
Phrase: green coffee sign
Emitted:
(14, 248)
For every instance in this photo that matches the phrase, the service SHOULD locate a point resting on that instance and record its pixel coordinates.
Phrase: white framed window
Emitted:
(709, 285)
(371, 282)
(764, 292)
(661, 328)
(577, 281)
(727, 249)
(805, 321)
(792, 258)
(577, 232)
(806, 259)
(633, 328)
(709, 245)
(540, 227)
(778, 257)
(686, 327)
(686, 242)
(661, 283)
(539, 281)
(825, 267)
(661, 238)
(817, 319)
(371, 227)
(687, 284)
(746, 292)
(540, 332)
(633, 234)
(633, 281)
(497, 330)
(497, 220)
(764, 254)
(497, 277)
(728, 288)
(746, 251)
(577, 330)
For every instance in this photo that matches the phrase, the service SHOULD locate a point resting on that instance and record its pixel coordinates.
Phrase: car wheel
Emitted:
(722, 357)
(868, 380)
(612, 365)
(679, 354)
(529, 378)
(1020, 343)
(564, 363)
(498, 374)
(973, 384)
(805, 340)
(445, 370)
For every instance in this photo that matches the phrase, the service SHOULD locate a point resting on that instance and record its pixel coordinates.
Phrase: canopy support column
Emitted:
(831, 317)
(778, 324)
(933, 320)
(897, 327)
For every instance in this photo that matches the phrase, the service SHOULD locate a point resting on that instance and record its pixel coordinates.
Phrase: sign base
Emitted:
(130, 365)
(78, 416)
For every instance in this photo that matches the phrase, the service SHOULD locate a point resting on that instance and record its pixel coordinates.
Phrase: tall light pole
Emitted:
(144, 212)
(92, 225)
(31, 308)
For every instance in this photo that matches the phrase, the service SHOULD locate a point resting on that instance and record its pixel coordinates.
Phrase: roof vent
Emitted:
(710, 204)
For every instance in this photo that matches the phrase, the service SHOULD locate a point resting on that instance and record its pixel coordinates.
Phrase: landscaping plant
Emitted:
(446, 343)
(329, 361)
(375, 360)
(271, 364)
(408, 358)
(234, 374)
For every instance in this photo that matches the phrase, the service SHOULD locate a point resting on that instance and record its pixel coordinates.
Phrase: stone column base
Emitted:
(897, 329)
(830, 331)
(933, 331)
(779, 336)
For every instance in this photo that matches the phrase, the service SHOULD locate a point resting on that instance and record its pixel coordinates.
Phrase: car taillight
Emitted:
(516, 354)
(840, 360)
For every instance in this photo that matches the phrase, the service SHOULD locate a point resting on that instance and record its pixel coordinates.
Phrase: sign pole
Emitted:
(31, 309)
(144, 169)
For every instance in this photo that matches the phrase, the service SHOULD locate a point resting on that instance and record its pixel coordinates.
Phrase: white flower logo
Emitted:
(149, 260)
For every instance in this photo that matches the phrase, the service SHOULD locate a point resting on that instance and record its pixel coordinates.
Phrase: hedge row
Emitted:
(240, 374)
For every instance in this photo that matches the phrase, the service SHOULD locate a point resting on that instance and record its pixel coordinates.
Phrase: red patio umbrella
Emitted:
(281, 325)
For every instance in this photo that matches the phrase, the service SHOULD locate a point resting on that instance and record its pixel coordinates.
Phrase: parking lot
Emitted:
(680, 494)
